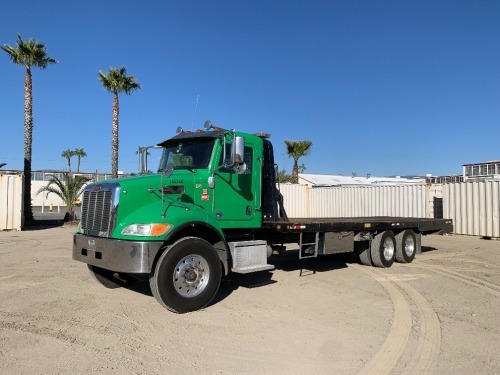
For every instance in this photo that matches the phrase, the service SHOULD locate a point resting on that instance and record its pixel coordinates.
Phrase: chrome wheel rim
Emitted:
(409, 246)
(388, 248)
(191, 276)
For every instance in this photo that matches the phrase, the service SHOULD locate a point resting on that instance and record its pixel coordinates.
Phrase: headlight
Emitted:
(145, 229)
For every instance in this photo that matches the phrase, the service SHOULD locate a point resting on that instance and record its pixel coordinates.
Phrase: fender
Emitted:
(174, 213)
(205, 231)
(186, 219)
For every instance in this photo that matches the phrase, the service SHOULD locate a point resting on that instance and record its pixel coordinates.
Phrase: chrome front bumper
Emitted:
(115, 255)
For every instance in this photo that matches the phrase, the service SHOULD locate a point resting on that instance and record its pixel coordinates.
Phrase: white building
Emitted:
(479, 171)
(322, 180)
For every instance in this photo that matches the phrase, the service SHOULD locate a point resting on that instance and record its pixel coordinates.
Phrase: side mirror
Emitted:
(169, 169)
(238, 150)
(240, 168)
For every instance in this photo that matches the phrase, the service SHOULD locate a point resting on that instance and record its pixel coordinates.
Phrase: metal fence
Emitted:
(302, 201)
(474, 207)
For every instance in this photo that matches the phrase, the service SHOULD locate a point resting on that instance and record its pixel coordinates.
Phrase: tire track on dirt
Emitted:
(469, 280)
(386, 358)
(426, 354)
(74, 333)
(480, 263)
(437, 255)
(4, 250)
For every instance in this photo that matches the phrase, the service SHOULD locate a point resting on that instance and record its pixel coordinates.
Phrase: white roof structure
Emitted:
(321, 180)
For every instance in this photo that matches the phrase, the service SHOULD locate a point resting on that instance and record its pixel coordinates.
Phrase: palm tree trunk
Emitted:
(78, 166)
(28, 140)
(114, 139)
(295, 172)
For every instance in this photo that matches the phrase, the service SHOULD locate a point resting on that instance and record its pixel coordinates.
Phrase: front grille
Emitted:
(98, 211)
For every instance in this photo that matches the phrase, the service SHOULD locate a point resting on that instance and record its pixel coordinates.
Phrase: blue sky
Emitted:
(380, 87)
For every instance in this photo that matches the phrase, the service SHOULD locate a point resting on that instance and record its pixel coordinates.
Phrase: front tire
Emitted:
(110, 279)
(187, 275)
(383, 249)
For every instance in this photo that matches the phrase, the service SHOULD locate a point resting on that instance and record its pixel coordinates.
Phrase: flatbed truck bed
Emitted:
(372, 223)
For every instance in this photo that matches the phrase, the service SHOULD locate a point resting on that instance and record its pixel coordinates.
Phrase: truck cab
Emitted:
(205, 199)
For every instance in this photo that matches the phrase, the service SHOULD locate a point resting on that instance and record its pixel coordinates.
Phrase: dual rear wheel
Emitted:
(385, 248)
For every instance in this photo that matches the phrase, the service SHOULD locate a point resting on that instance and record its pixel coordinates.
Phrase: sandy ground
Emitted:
(438, 315)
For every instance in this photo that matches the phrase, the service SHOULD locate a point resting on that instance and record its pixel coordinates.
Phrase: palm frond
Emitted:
(117, 81)
(29, 53)
(69, 188)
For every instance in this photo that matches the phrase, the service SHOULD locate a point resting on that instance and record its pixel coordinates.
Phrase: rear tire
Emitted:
(383, 249)
(406, 246)
(362, 248)
(187, 275)
(110, 279)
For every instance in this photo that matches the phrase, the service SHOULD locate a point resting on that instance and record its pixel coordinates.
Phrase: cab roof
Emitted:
(192, 135)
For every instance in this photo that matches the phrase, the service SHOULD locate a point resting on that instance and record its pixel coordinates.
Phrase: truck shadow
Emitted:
(142, 287)
(287, 262)
(234, 281)
(425, 249)
(45, 224)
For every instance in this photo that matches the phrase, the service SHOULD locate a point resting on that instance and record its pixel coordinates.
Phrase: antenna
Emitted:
(195, 109)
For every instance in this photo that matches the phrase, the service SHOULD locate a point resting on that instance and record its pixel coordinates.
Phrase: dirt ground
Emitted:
(437, 315)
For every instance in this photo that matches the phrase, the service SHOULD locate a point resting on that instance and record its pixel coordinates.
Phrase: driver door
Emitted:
(237, 195)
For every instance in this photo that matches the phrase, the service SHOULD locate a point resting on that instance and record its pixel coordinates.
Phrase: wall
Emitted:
(301, 201)
(11, 202)
(474, 207)
(43, 199)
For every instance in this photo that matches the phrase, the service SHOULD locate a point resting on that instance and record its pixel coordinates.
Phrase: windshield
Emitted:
(187, 154)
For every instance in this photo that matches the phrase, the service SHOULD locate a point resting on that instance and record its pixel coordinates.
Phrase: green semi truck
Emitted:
(213, 208)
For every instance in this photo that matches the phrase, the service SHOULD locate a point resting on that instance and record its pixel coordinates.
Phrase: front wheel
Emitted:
(111, 279)
(187, 275)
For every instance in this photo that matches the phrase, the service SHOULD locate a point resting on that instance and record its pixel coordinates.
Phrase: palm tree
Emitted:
(116, 81)
(296, 150)
(69, 188)
(282, 177)
(28, 54)
(79, 153)
(68, 154)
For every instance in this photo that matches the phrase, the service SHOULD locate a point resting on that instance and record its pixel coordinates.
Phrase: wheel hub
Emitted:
(409, 246)
(388, 249)
(191, 276)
